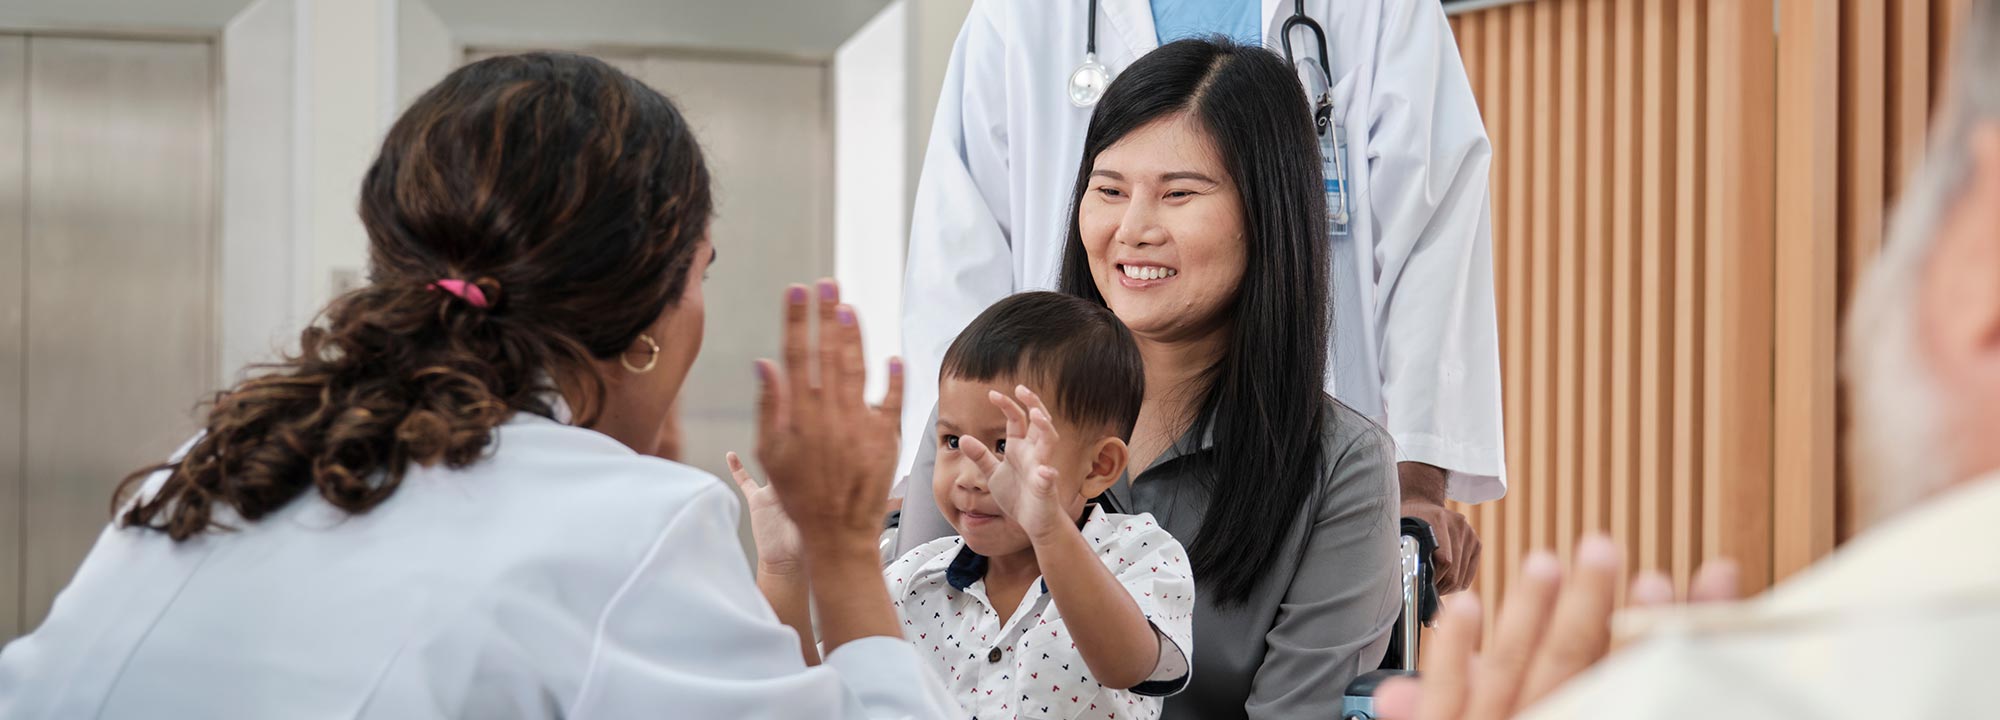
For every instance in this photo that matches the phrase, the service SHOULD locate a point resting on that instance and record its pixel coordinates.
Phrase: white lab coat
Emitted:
(563, 576)
(1414, 342)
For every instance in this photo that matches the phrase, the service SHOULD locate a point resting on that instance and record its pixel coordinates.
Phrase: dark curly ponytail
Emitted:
(568, 198)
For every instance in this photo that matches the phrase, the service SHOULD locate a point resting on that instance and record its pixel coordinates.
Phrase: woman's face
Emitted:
(637, 403)
(680, 328)
(1162, 224)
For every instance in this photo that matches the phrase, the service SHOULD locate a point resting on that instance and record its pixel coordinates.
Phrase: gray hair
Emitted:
(1898, 449)
(1973, 99)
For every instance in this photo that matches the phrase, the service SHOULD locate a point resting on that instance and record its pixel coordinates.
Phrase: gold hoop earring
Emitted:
(651, 360)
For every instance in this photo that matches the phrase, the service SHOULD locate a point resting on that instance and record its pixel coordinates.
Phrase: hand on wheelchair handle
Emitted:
(1428, 592)
(1456, 561)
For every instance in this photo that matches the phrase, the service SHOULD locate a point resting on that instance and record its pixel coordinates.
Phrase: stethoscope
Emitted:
(1088, 82)
(1321, 81)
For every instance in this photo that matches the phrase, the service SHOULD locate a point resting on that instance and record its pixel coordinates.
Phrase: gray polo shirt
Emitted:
(1324, 613)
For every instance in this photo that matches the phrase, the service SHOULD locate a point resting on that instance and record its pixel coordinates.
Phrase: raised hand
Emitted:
(1551, 628)
(1027, 490)
(778, 544)
(830, 456)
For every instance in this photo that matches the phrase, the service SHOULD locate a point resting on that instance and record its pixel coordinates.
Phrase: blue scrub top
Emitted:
(1183, 19)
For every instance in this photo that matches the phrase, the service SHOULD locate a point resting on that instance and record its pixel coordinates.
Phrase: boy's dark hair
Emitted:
(1075, 353)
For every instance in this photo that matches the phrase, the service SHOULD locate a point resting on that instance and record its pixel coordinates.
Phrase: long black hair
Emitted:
(1265, 399)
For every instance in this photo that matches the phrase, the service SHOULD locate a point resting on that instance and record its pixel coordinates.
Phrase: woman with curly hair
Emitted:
(444, 504)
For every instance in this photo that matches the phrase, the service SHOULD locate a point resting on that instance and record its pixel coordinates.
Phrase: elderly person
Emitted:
(1902, 622)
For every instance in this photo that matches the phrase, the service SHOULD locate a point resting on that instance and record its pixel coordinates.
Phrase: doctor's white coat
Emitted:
(563, 576)
(1414, 342)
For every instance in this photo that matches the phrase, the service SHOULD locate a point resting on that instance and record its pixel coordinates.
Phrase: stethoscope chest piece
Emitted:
(1088, 82)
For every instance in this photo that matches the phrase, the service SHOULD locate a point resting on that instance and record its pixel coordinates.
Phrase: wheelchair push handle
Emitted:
(1420, 596)
(1420, 607)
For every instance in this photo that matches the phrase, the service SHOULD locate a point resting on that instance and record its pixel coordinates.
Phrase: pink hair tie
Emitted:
(464, 290)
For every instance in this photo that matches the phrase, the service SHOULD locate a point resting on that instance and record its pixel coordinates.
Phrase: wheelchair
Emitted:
(1420, 606)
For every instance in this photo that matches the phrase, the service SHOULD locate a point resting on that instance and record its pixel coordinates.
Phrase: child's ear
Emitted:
(1107, 464)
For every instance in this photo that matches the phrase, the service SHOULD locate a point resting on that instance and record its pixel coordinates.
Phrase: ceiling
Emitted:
(809, 28)
(802, 28)
(201, 16)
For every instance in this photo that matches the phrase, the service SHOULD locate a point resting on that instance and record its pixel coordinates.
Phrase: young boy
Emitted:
(1044, 605)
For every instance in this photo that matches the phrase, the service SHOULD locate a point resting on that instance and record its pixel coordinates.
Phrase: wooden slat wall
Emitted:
(1662, 249)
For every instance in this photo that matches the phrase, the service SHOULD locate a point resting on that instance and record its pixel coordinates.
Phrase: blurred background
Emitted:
(1683, 194)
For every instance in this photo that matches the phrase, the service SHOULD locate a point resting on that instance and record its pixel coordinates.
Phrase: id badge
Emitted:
(1333, 153)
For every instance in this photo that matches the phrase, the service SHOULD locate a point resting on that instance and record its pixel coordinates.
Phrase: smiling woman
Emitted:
(1156, 202)
(1200, 161)
(1199, 220)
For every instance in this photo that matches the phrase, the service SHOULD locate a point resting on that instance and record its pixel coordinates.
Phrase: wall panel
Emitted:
(13, 284)
(119, 321)
(1662, 250)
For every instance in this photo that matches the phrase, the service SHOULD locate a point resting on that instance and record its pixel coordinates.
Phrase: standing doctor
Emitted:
(1414, 343)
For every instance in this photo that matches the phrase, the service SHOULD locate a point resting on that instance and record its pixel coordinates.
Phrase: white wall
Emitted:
(261, 295)
(886, 79)
(348, 48)
(425, 52)
(933, 29)
(309, 88)
(871, 182)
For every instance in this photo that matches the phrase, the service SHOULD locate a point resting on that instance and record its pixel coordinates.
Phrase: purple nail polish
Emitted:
(826, 291)
(845, 315)
(796, 294)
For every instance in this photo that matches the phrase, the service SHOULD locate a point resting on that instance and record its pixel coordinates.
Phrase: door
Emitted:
(13, 290)
(114, 348)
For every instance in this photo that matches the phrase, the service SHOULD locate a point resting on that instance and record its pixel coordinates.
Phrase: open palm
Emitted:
(778, 545)
(1023, 486)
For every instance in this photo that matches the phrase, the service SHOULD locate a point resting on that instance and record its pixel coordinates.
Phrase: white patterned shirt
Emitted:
(1026, 666)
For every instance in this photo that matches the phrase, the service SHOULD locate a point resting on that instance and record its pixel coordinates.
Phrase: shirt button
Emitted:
(993, 656)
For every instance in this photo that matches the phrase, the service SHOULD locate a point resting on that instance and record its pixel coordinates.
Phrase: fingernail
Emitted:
(758, 368)
(1597, 550)
(826, 290)
(895, 366)
(1653, 586)
(796, 294)
(844, 315)
(1542, 563)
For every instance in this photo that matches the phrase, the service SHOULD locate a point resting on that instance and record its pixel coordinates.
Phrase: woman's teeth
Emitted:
(1137, 272)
